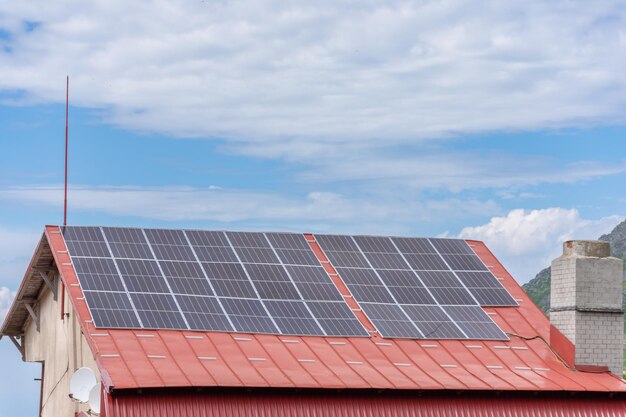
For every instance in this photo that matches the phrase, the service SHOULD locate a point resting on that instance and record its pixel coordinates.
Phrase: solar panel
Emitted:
(249, 316)
(112, 309)
(205, 280)
(391, 320)
(406, 285)
(336, 318)
(158, 311)
(293, 317)
(273, 283)
(204, 313)
(474, 322)
(459, 258)
(486, 288)
(434, 322)
(98, 274)
(405, 288)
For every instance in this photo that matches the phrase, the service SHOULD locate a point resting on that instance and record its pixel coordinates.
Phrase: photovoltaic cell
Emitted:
(158, 311)
(375, 244)
(387, 261)
(229, 280)
(465, 263)
(288, 241)
(486, 288)
(98, 274)
(111, 309)
(249, 316)
(406, 287)
(293, 317)
(414, 245)
(297, 257)
(365, 285)
(301, 274)
(433, 322)
(337, 319)
(248, 240)
(391, 321)
(475, 322)
(130, 250)
(337, 243)
(207, 238)
(89, 249)
(215, 254)
(186, 278)
(106, 300)
(257, 255)
(313, 283)
(204, 313)
(82, 234)
(142, 276)
(452, 246)
(124, 235)
(347, 259)
(426, 262)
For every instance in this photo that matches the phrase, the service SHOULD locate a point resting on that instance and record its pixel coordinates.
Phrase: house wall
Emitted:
(62, 348)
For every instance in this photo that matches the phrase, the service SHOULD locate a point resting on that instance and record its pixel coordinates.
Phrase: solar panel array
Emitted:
(203, 280)
(273, 283)
(418, 288)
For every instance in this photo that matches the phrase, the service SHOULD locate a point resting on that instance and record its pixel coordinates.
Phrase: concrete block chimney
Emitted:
(586, 303)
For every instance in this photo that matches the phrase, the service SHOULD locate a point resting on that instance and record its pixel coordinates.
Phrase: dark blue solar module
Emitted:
(207, 280)
(418, 288)
(273, 283)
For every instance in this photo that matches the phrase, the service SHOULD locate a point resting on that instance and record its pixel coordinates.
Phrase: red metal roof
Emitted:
(172, 358)
(281, 404)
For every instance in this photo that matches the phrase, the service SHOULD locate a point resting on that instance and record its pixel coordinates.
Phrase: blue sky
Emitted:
(504, 124)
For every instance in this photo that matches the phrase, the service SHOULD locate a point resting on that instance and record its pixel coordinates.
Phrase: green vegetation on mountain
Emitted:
(538, 289)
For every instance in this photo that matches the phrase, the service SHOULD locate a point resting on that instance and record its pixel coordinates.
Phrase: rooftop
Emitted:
(470, 333)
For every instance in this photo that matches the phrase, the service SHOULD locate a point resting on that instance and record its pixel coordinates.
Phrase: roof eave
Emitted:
(30, 289)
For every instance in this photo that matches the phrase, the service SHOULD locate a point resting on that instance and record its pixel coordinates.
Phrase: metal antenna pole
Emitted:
(67, 99)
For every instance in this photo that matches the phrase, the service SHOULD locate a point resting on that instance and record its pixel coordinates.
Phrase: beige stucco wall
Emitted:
(63, 349)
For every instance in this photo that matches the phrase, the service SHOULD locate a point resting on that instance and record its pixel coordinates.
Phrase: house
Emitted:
(205, 323)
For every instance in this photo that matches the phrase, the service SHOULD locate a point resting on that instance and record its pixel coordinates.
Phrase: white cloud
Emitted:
(456, 172)
(6, 298)
(527, 241)
(315, 211)
(337, 79)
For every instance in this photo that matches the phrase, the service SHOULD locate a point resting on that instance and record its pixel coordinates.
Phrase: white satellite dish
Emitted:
(94, 399)
(81, 384)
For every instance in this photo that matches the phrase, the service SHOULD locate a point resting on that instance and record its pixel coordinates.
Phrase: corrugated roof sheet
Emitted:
(281, 404)
(171, 358)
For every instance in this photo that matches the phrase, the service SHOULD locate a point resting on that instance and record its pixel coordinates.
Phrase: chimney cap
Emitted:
(591, 248)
